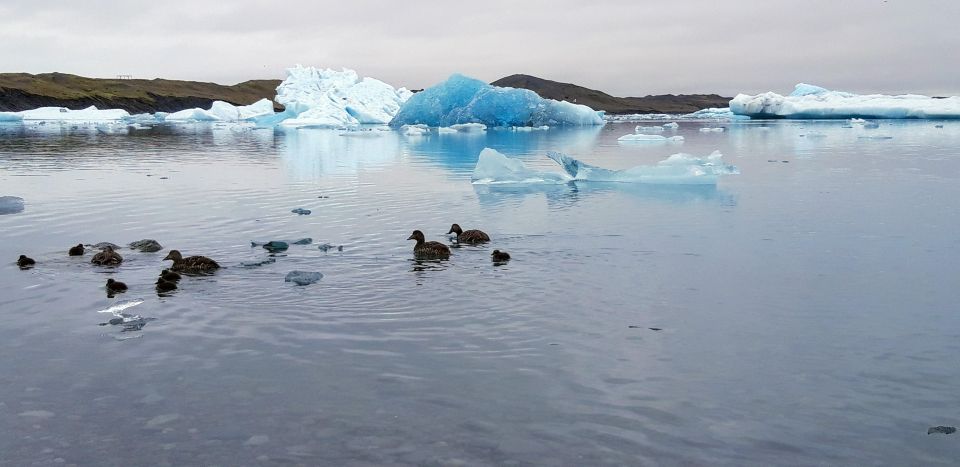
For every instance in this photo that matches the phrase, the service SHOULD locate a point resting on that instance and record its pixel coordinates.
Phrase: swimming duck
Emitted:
(165, 286)
(500, 256)
(425, 249)
(76, 251)
(191, 264)
(468, 236)
(169, 276)
(25, 262)
(107, 257)
(116, 286)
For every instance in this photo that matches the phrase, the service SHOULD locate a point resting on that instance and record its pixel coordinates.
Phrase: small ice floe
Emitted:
(415, 130)
(303, 277)
(299, 241)
(469, 127)
(256, 264)
(276, 246)
(857, 121)
(327, 247)
(671, 125)
(648, 129)
(146, 245)
(10, 205)
(712, 130)
(656, 139)
(445, 130)
(947, 430)
(875, 137)
(301, 211)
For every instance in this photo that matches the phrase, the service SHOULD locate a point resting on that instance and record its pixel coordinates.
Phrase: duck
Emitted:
(165, 286)
(76, 251)
(116, 286)
(25, 262)
(500, 256)
(107, 257)
(191, 264)
(425, 249)
(169, 276)
(468, 236)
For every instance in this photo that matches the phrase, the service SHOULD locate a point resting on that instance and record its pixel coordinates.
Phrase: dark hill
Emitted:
(597, 100)
(23, 91)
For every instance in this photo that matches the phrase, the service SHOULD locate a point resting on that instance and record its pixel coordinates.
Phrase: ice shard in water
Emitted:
(224, 111)
(461, 99)
(677, 169)
(814, 102)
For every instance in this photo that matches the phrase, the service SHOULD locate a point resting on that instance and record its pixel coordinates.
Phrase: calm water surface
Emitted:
(807, 307)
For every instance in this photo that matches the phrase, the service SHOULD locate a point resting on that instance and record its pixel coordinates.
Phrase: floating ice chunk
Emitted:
(89, 114)
(117, 310)
(224, 111)
(714, 113)
(256, 264)
(303, 277)
(469, 127)
(808, 101)
(657, 139)
(871, 125)
(712, 130)
(461, 99)
(10, 204)
(445, 130)
(671, 125)
(146, 245)
(416, 130)
(329, 98)
(648, 129)
(10, 117)
(496, 168)
(300, 211)
(857, 121)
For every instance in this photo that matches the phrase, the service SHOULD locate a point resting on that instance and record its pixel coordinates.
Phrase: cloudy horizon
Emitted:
(624, 48)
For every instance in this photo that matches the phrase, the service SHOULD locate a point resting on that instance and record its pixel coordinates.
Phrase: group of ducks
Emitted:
(436, 250)
(169, 278)
(166, 282)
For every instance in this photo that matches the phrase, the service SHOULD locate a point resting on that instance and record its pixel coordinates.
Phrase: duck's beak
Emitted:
(166, 257)
(411, 238)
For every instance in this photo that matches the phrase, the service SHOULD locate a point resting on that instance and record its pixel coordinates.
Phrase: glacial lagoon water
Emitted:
(805, 310)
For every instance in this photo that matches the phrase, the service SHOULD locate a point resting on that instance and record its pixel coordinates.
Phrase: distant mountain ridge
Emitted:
(24, 91)
(598, 100)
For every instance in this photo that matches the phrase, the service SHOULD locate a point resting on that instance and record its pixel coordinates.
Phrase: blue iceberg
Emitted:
(461, 99)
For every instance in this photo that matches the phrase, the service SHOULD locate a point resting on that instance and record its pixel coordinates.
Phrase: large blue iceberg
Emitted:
(461, 99)
(814, 102)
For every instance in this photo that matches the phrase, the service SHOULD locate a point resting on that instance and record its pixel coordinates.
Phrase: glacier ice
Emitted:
(58, 114)
(712, 130)
(224, 111)
(495, 168)
(643, 138)
(461, 99)
(671, 125)
(648, 129)
(328, 98)
(10, 204)
(416, 130)
(808, 102)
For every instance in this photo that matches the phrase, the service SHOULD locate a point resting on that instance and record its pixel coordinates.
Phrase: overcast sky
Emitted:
(625, 48)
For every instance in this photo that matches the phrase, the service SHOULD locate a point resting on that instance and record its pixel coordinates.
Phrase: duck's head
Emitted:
(455, 228)
(417, 235)
(23, 256)
(174, 255)
(79, 245)
(110, 281)
(495, 253)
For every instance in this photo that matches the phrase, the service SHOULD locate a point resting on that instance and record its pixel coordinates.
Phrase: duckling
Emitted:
(169, 276)
(500, 256)
(116, 286)
(191, 264)
(76, 251)
(107, 257)
(25, 262)
(468, 236)
(165, 286)
(425, 249)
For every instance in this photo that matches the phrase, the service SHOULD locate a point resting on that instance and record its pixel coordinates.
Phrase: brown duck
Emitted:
(191, 264)
(116, 286)
(25, 262)
(107, 257)
(169, 276)
(500, 256)
(165, 286)
(76, 251)
(425, 249)
(468, 236)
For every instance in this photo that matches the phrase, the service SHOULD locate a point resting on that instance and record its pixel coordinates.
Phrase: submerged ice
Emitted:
(461, 99)
(494, 167)
(809, 102)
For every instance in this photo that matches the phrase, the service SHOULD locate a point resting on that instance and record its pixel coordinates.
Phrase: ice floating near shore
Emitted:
(684, 169)
(648, 129)
(224, 111)
(809, 102)
(10, 204)
(717, 114)
(63, 114)
(461, 99)
(330, 98)
(642, 138)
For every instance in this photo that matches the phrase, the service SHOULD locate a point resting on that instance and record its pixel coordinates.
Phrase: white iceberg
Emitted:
(671, 125)
(224, 111)
(808, 102)
(461, 99)
(496, 168)
(642, 138)
(328, 98)
(416, 130)
(60, 114)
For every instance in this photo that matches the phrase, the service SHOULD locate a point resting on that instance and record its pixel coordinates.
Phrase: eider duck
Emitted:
(107, 257)
(116, 286)
(425, 249)
(76, 251)
(191, 264)
(25, 262)
(469, 236)
(169, 276)
(500, 256)
(165, 286)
